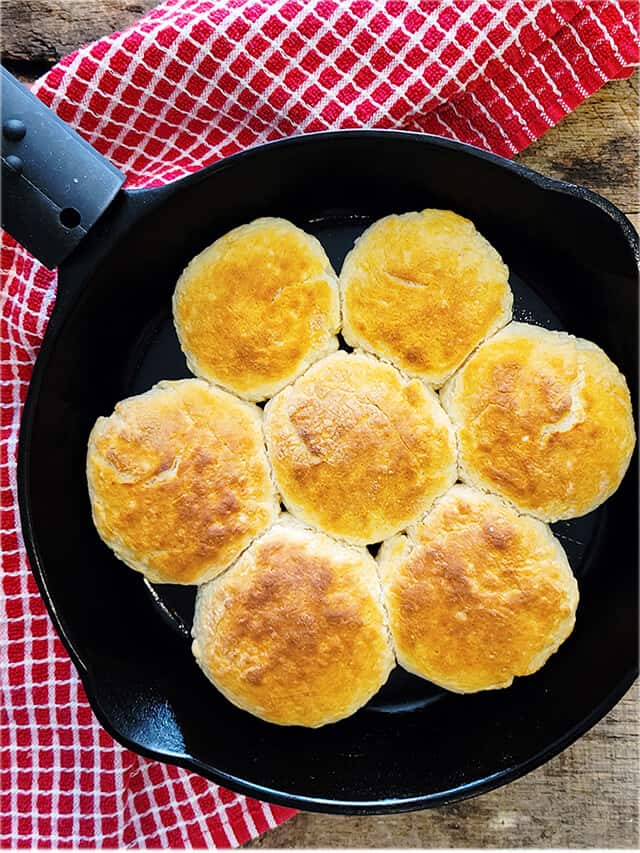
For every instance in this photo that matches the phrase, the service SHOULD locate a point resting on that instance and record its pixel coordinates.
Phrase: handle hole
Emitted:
(70, 217)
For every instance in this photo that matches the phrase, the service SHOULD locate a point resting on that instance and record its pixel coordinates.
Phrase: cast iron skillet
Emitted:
(573, 258)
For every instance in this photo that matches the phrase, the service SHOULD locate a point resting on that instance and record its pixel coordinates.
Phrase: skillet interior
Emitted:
(573, 267)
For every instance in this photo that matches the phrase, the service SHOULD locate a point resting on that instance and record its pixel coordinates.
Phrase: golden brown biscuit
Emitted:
(357, 449)
(543, 419)
(179, 481)
(257, 307)
(423, 289)
(295, 631)
(477, 594)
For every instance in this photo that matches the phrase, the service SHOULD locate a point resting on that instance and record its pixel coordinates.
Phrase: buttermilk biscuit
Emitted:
(179, 481)
(357, 449)
(295, 631)
(423, 289)
(477, 594)
(543, 419)
(257, 307)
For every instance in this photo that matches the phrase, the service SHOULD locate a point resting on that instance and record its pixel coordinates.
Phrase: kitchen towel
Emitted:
(193, 81)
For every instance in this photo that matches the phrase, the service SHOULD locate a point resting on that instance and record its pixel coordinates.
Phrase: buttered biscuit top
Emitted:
(179, 481)
(476, 594)
(543, 419)
(358, 449)
(257, 307)
(295, 631)
(423, 289)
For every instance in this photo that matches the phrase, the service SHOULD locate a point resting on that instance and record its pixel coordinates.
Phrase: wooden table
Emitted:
(588, 795)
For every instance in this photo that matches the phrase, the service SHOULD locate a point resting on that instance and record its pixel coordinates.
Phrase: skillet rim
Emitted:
(144, 200)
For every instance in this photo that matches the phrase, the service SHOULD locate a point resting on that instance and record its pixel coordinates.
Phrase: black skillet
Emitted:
(573, 260)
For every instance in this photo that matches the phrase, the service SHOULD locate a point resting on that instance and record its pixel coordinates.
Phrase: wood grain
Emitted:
(41, 31)
(596, 145)
(588, 795)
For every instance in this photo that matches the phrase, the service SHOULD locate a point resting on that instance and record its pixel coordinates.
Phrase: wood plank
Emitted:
(596, 145)
(41, 31)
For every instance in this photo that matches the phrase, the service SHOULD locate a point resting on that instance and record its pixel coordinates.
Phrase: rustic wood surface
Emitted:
(42, 31)
(588, 795)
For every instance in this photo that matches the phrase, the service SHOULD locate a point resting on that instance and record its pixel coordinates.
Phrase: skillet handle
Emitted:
(54, 184)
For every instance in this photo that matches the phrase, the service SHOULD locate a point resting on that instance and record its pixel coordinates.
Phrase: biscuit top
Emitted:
(543, 419)
(257, 307)
(357, 449)
(478, 595)
(295, 631)
(423, 289)
(179, 480)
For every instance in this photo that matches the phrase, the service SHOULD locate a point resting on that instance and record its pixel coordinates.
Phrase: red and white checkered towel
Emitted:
(193, 81)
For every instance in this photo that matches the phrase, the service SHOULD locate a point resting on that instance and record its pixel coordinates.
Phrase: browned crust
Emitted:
(179, 481)
(543, 419)
(478, 595)
(295, 631)
(423, 289)
(257, 307)
(357, 449)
